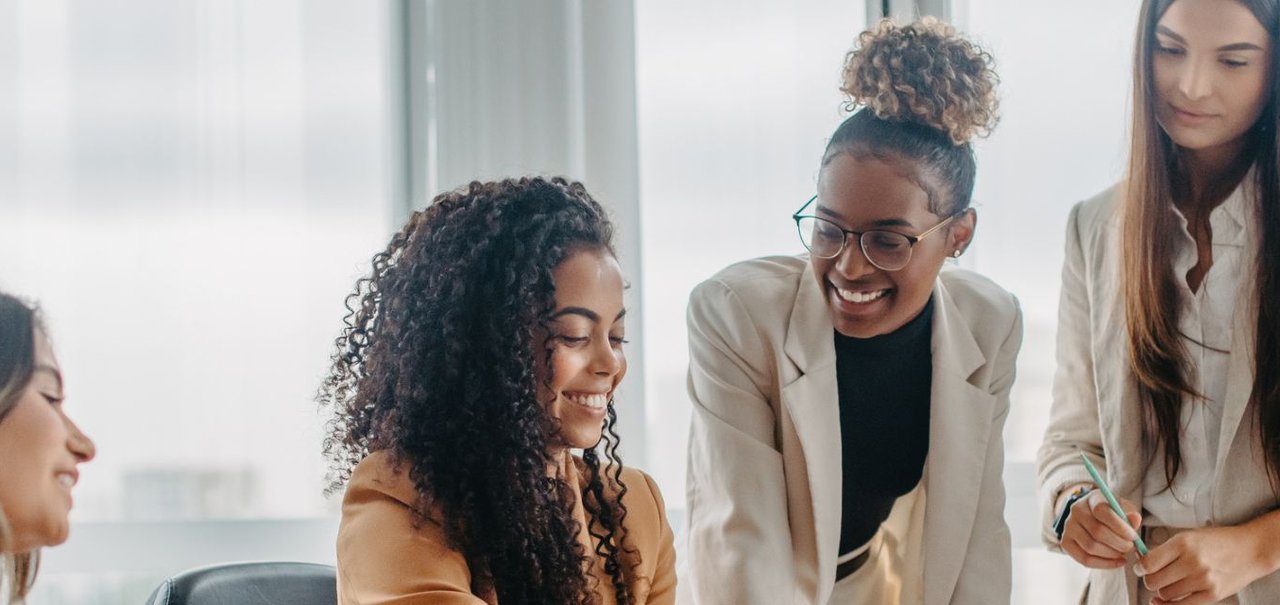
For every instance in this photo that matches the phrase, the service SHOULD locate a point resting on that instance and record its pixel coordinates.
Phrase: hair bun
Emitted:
(923, 72)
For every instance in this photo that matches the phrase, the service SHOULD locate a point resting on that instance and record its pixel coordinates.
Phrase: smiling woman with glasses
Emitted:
(848, 403)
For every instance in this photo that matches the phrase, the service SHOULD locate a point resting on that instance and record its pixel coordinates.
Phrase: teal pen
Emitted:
(1111, 499)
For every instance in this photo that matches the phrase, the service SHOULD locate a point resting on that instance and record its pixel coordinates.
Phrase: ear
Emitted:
(960, 233)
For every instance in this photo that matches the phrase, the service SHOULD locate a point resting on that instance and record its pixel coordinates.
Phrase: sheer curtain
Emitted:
(189, 189)
(1065, 86)
(736, 101)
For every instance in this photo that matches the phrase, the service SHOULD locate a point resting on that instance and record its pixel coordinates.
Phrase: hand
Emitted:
(1096, 536)
(1202, 565)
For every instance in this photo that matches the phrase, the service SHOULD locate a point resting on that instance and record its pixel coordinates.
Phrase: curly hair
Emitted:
(925, 92)
(436, 365)
(923, 72)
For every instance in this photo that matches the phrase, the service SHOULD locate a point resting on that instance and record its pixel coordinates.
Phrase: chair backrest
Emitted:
(267, 583)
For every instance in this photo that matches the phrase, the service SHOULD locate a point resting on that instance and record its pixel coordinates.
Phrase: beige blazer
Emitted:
(1095, 400)
(390, 555)
(764, 483)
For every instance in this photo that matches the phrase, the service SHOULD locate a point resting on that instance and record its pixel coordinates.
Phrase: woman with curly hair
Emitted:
(848, 403)
(483, 349)
(40, 448)
(1168, 349)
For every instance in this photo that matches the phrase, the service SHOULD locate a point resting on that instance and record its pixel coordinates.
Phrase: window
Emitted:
(190, 189)
(735, 101)
(1063, 136)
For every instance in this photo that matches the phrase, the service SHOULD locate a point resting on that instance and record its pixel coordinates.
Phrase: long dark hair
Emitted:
(19, 324)
(436, 366)
(1157, 351)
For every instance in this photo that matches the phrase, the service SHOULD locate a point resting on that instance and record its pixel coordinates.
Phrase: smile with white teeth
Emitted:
(66, 480)
(595, 401)
(860, 297)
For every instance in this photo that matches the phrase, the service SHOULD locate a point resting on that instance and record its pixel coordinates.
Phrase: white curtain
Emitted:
(737, 100)
(189, 188)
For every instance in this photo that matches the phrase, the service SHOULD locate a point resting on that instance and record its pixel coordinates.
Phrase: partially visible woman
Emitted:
(40, 448)
(484, 348)
(1168, 333)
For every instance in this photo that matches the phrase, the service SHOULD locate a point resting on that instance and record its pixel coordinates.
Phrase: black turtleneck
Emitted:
(884, 384)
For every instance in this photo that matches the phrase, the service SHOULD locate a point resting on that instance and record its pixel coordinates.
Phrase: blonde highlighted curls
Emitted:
(923, 72)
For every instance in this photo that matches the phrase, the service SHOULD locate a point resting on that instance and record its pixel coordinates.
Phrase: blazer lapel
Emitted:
(812, 401)
(959, 425)
(1120, 411)
(1240, 372)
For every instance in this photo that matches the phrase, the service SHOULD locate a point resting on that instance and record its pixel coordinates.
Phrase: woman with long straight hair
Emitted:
(1169, 332)
(40, 448)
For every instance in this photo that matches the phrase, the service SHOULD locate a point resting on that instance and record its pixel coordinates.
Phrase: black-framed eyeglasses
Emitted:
(887, 250)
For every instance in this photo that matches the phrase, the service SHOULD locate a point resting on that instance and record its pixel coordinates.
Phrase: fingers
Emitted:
(1096, 536)
(1166, 580)
(1080, 540)
(1198, 598)
(1162, 578)
(1104, 537)
(1184, 591)
(1107, 517)
(1154, 567)
(1196, 567)
(1077, 552)
(1131, 514)
(1175, 581)
(1102, 526)
(1099, 541)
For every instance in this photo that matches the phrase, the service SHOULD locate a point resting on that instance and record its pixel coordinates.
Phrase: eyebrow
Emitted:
(884, 222)
(1227, 48)
(584, 312)
(52, 370)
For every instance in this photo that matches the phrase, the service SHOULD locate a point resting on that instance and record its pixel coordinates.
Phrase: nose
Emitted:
(607, 360)
(79, 443)
(852, 262)
(1193, 80)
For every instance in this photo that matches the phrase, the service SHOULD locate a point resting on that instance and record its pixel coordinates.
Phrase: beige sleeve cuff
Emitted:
(1052, 491)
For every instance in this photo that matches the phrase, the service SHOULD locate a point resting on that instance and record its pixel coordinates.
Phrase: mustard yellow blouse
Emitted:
(390, 555)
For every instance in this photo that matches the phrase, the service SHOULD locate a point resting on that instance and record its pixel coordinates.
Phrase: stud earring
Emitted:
(956, 254)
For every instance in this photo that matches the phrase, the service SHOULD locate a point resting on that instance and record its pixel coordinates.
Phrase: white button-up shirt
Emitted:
(1205, 320)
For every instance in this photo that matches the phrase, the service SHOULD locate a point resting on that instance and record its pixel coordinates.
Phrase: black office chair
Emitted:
(267, 583)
